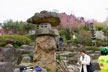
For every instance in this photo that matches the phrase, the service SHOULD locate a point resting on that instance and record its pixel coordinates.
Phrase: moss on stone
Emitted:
(47, 17)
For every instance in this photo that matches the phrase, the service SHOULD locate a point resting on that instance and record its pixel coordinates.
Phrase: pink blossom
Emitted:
(91, 21)
(69, 21)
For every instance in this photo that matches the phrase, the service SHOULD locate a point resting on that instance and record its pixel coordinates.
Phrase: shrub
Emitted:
(76, 30)
(101, 43)
(31, 56)
(99, 25)
(67, 34)
(69, 41)
(84, 38)
(105, 30)
(18, 39)
(16, 46)
(61, 32)
(87, 27)
(32, 37)
(58, 58)
(99, 28)
(76, 41)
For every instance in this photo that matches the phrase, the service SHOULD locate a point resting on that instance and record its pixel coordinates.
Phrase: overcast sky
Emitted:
(23, 9)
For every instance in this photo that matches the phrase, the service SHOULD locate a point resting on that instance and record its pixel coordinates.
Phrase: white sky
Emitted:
(23, 9)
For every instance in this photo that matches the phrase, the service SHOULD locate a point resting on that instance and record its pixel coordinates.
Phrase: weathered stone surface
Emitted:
(9, 46)
(26, 47)
(94, 56)
(26, 59)
(26, 64)
(98, 52)
(45, 17)
(1, 55)
(16, 70)
(100, 35)
(45, 31)
(24, 51)
(44, 54)
(89, 52)
(7, 66)
(28, 70)
(7, 54)
(18, 56)
(7, 59)
(72, 61)
(73, 68)
(56, 32)
(44, 14)
(74, 54)
(73, 47)
(44, 25)
(44, 70)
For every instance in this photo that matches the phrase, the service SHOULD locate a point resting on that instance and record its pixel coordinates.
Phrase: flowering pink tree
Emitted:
(82, 21)
(70, 21)
(63, 19)
(91, 21)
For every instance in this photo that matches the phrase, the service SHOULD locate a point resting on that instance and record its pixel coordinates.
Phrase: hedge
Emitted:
(18, 39)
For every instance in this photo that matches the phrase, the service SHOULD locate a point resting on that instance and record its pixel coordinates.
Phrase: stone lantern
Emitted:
(93, 35)
(44, 53)
(45, 29)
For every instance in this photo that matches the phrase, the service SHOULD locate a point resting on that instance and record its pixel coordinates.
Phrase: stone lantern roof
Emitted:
(45, 17)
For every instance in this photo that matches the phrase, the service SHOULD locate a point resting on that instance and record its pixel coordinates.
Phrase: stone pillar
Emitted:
(44, 53)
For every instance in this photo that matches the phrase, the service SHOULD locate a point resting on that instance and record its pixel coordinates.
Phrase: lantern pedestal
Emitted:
(44, 53)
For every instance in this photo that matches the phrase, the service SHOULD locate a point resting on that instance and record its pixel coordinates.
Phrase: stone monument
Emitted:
(44, 53)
